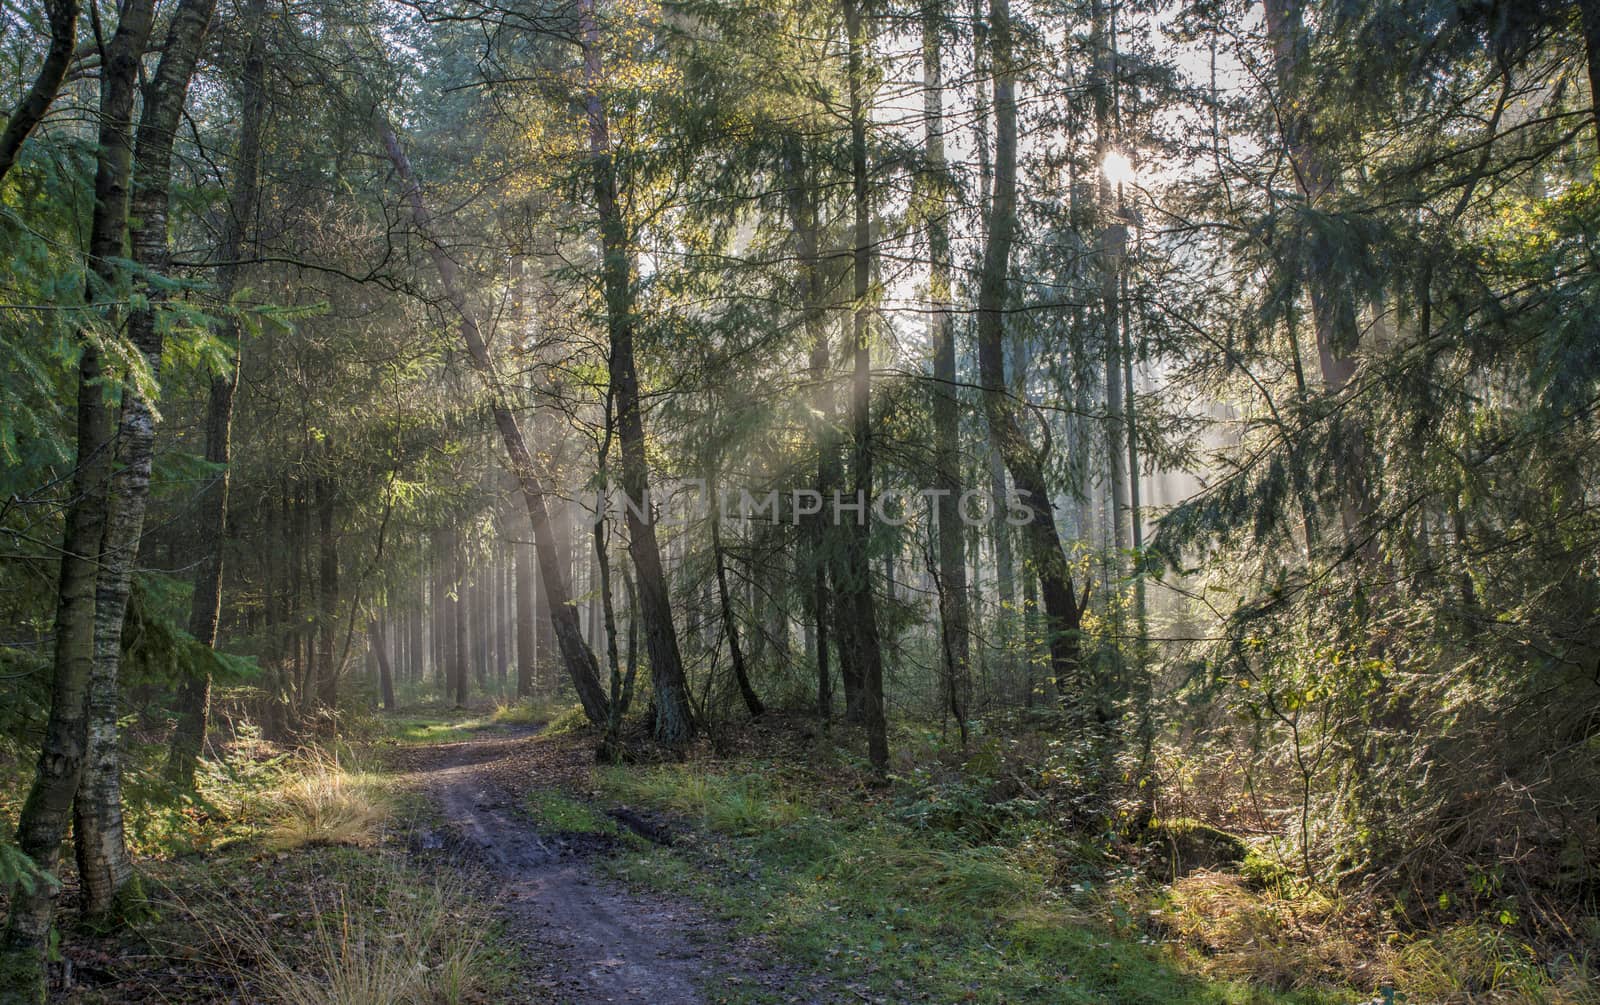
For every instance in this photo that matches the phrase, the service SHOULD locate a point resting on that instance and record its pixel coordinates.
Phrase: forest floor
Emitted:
(475, 857)
(588, 937)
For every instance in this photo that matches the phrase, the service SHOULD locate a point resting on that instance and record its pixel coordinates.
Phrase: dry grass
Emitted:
(371, 933)
(1468, 964)
(326, 802)
(1242, 933)
(1300, 941)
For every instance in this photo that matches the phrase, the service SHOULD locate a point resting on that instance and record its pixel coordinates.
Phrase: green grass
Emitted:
(442, 724)
(904, 911)
(426, 726)
(557, 812)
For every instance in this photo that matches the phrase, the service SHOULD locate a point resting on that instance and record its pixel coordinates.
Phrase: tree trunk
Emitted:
(104, 865)
(416, 651)
(438, 609)
(954, 622)
(42, 825)
(460, 632)
(375, 638)
(526, 667)
(1063, 607)
(63, 18)
(740, 673)
(674, 719)
(328, 665)
(299, 669)
(804, 216)
(859, 599)
(1591, 45)
(1333, 314)
(577, 656)
(211, 516)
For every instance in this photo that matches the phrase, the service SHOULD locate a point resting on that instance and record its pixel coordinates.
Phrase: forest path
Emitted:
(589, 939)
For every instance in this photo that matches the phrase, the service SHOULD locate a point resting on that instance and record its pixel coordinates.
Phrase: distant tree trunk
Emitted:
(526, 667)
(105, 868)
(482, 624)
(327, 681)
(42, 825)
(803, 215)
(954, 623)
(730, 628)
(417, 651)
(211, 509)
(375, 638)
(504, 590)
(62, 16)
(460, 632)
(299, 661)
(674, 718)
(577, 656)
(1063, 607)
(443, 650)
(861, 611)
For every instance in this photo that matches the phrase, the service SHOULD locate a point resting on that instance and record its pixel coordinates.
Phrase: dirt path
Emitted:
(593, 940)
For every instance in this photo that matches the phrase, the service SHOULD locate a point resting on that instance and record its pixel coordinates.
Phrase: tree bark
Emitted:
(954, 622)
(62, 16)
(861, 605)
(211, 509)
(328, 664)
(674, 718)
(804, 216)
(730, 628)
(104, 865)
(460, 633)
(375, 638)
(526, 666)
(577, 656)
(1591, 45)
(42, 825)
(1063, 606)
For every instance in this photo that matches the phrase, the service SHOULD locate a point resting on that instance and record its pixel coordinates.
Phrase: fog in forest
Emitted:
(1059, 501)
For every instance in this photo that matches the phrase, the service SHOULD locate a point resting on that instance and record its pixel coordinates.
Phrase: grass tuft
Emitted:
(384, 936)
(323, 803)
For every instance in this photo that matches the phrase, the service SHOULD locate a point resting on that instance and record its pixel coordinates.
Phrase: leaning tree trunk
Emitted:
(953, 615)
(211, 510)
(104, 866)
(63, 18)
(741, 673)
(1063, 606)
(575, 653)
(43, 823)
(858, 607)
(674, 719)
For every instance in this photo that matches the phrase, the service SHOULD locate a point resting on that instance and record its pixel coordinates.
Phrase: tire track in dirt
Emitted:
(594, 941)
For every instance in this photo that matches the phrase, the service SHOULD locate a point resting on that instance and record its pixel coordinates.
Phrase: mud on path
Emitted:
(588, 940)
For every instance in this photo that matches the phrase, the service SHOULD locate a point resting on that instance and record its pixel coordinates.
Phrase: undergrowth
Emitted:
(860, 887)
(324, 926)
